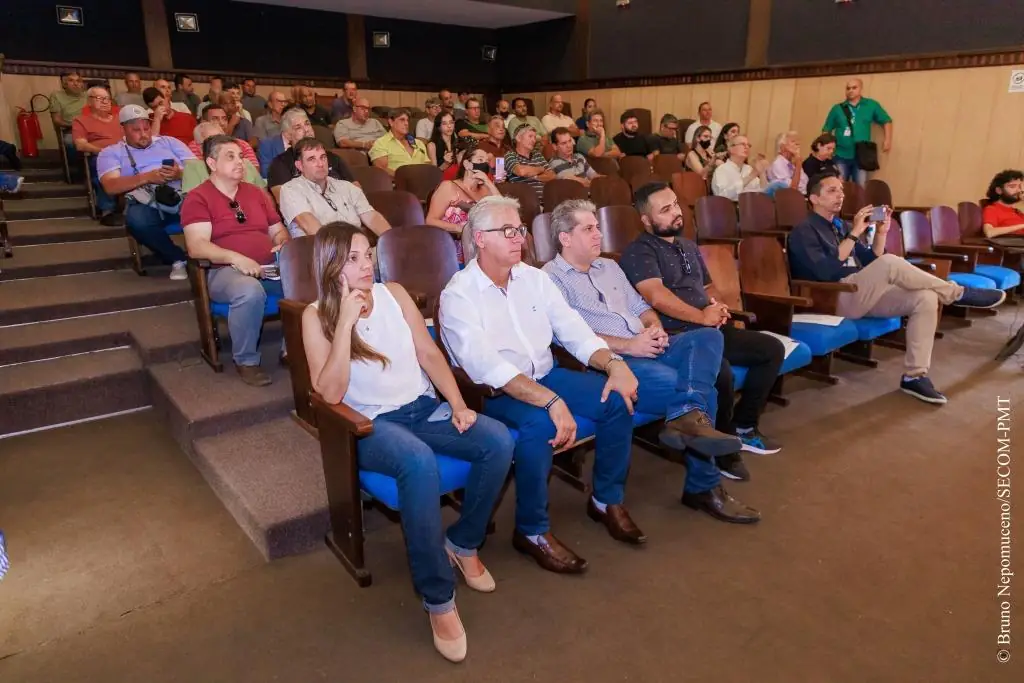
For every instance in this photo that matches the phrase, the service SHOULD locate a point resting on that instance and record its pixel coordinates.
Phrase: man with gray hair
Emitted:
(498, 319)
(524, 163)
(676, 373)
(295, 127)
(786, 170)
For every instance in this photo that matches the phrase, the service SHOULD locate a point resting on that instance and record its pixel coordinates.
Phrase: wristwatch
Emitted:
(612, 357)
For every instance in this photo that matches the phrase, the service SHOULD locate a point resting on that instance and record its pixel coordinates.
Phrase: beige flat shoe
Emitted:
(452, 650)
(484, 583)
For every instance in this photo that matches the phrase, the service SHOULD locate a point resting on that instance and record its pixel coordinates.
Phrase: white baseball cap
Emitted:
(132, 112)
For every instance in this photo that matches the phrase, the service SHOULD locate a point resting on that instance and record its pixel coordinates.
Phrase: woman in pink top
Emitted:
(452, 200)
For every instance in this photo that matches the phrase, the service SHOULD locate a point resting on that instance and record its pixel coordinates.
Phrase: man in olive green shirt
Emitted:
(65, 105)
(849, 130)
(520, 118)
(595, 142)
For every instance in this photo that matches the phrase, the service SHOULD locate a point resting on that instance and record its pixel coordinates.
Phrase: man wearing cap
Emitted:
(524, 163)
(136, 167)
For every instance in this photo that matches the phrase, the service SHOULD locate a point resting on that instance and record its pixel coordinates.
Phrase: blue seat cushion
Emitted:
(824, 339)
(798, 358)
(454, 474)
(873, 328)
(173, 229)
(1005, 278)
(972, 280)
(220, 309)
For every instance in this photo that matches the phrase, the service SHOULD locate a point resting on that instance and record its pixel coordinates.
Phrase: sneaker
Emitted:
(759, 444)
(922, 389)
(4, 563)
(178, 271)
(974, 297)
(732, 467)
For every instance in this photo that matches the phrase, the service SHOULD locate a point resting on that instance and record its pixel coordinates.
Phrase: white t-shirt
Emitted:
(424, 129)
(552, 121)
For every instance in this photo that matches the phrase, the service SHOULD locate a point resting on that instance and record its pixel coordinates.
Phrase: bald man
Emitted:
(305, 99)
(360, 131)
(850, 121)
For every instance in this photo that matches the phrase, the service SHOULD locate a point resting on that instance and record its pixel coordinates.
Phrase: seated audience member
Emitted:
(184, 92)
(305, 99)
(729, 131)
(216, 88)
(736, 175)
(1003, 222)
(235, 91)
(168, 122)
(237, 126)
(235, 226)
(460, 105)
(567, 163)
(520, 118)
(92, 133)
(165, 89)
(472, 127)
(676, 373)
(820, 160)
(497, 142)
(269, 125)
(398, 147)
(283, 168)
(342, 106)
(504, 110)
(630, 141)
(252, 102)
(824, 248)
(669, 272)
(704, 112)
(700, 159)
(197, 172)
(425, 126)
(314, 198)
(134, 168)
(589, 105)
(441, 148)
(785, 170)
(668, 137)
(295, 125)
(524, 164)
(556, 119)
(133, 94)
(452, 200)
(361, 130)
(368, 346)
(10, 152)
(66, 104)
(497, 293)
(595, 141)
(217, 114)
(447, 101)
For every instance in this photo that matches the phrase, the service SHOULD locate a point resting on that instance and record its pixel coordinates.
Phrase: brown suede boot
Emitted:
(694, 430)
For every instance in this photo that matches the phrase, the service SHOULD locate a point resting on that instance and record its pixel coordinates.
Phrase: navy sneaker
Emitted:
(757, 443)
(731, 467)
(980, 298)
(922, 389)
(4, 563)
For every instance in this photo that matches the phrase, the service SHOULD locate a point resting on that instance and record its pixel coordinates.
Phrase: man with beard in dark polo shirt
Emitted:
(668, 271)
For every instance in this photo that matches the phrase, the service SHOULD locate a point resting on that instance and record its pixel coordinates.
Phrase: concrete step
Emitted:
(22, 209)
(270, 478)
(50, 190)
(64, 296)
(41, 174)
(54, 230)
(159, 334)
(65, 259)
(60, 390)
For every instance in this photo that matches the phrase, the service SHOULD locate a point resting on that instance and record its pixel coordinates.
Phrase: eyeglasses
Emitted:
(323, 193)
(99, 98)
(686, 258)
(511, 232)
(239, 214)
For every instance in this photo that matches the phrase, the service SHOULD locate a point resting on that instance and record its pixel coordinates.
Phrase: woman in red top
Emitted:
(234, 225)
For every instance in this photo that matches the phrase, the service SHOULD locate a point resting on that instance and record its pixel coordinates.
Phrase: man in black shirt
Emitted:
(668, 271)
(283, 169)
(630, 141)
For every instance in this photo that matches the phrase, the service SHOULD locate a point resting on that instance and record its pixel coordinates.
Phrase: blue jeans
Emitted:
(680, 380)
(403, 446)
(149, 227)
(246, 297)
(581, 392)
(851, 171)
(104, 202)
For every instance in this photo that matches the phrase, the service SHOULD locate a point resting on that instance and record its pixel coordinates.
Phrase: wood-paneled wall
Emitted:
(953, 129)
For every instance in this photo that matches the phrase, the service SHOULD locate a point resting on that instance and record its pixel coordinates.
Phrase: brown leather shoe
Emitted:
(721, 506)
(694, 430)
(253, 375)
(550, 554)
(616, 519)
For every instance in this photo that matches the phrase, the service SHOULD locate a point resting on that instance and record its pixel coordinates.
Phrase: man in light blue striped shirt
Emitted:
(676, 374)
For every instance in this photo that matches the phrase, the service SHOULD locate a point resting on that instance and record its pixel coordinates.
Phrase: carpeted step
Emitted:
(48, 158)
(270, 479)
(159, 335)
(50, 190)
(40, 175)
(66, 259)
(24, 301)
(22, 209)
(51, 392)
(56, 230)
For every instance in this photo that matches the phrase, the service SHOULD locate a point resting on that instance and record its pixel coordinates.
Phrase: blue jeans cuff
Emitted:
(443, 608)
(459, 550)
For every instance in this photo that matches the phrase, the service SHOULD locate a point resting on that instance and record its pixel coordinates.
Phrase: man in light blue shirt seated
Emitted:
(676, 373)
(136, 167)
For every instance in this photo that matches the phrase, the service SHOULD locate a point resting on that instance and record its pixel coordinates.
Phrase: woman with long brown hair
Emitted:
(368, 346)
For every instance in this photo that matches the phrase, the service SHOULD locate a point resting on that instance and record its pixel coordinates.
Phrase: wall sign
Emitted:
(70, 16)
(381, 39)
(186, 23)
(1017, 80)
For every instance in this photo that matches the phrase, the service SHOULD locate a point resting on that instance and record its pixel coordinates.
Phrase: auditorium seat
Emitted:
(398, 208)
(560, 189)
(419, 179)
(946, 235)
(610, 190)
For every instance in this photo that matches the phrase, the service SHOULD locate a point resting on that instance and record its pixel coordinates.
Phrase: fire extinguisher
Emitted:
(29, 129)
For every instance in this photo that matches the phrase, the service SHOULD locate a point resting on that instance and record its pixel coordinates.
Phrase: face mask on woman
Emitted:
(705, 143)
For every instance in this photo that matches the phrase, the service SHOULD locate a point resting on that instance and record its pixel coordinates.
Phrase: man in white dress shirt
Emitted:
(498, 318)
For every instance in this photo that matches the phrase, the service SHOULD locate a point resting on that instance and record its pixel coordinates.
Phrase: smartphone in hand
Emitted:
(878, 214)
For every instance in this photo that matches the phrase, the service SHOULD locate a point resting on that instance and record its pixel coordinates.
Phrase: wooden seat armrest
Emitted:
(746, 317)
(949, 256)
(794, 301)
(719, 240)
(764, 233)
(825, 286)
(964, 248)
(340, 415)
(774, 313)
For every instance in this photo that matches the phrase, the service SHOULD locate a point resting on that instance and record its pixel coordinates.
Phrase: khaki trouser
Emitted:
(890, 286)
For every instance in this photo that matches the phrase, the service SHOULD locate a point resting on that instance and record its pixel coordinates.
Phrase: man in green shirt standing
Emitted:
(850, 122)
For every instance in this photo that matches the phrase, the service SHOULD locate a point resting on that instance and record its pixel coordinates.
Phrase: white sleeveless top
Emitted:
(372, 388)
